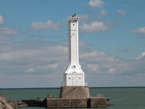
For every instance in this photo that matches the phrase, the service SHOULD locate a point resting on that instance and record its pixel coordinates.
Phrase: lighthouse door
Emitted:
(74, 81)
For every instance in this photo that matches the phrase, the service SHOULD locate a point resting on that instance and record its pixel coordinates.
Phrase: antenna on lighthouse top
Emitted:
(73, 15)
(73, 18)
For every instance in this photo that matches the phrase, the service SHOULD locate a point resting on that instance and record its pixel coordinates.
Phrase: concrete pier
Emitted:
(76, 97)
(74, 92)
(92, 102)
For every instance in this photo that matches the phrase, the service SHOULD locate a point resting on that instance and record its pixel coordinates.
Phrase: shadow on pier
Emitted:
(34, 103)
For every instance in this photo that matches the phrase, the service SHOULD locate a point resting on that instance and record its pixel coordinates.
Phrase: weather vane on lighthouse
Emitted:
(73, 76)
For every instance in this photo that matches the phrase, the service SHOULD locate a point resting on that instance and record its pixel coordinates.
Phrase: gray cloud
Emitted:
(102, 13)
(96, 3)
(93, 27)
(1, 20)
(122, 12)
(83, 18)
(45, 25)
(101, 63)
(38, 61)
(5, 34)
(141, 37)
(29, 59)
(4, 38)
(97, 26)
(8, 31)
(141, 55)
(140, 30)
(48, 58)
(82, 43)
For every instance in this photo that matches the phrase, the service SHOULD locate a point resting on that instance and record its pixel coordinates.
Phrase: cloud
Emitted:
(42, 60)
(52, 66)
(141, 30)
(120, 22)
(30, 70)
(141, 37)
(96, 26)
(26, 58)
(1, 20)
(102, 13)
(5, 34)
(122, 12)
(94, 67)
(45, 25)
(100, 63)
(4, 39)
(83, 18)
(141, 55)
(96, 3)
(8, 31)
(82, 43)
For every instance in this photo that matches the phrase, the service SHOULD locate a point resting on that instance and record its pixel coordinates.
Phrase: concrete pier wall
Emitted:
(98, 102)
(74, 92)
(66, 103)
(93, 102)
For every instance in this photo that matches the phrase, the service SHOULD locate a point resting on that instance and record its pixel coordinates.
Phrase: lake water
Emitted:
(121, 98)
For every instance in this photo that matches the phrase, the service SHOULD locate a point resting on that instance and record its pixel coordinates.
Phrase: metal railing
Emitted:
(74, 84)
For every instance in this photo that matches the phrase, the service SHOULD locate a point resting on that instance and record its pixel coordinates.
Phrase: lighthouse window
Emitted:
(73, 34)
(79, 78)
(69, 78)
(73, 67)
(73, 24)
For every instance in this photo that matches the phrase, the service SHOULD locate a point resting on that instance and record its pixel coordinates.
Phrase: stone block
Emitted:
(64, 103)
(53, 102)
(96, 102)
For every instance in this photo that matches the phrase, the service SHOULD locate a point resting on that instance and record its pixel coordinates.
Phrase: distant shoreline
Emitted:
(59, 87)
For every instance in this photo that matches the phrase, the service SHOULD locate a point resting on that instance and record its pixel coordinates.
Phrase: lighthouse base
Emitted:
(74, 92)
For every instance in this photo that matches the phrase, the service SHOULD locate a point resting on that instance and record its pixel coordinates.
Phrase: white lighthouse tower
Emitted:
(73, 76)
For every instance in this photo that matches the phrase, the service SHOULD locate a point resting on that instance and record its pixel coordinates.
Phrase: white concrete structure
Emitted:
(73, 76)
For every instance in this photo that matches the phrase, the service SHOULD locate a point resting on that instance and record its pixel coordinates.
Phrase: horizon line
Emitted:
(89, 87)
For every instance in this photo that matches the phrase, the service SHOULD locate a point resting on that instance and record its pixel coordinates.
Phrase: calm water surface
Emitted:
(121, 98)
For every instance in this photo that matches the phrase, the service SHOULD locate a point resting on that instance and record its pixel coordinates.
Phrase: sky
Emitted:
(34, 42)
